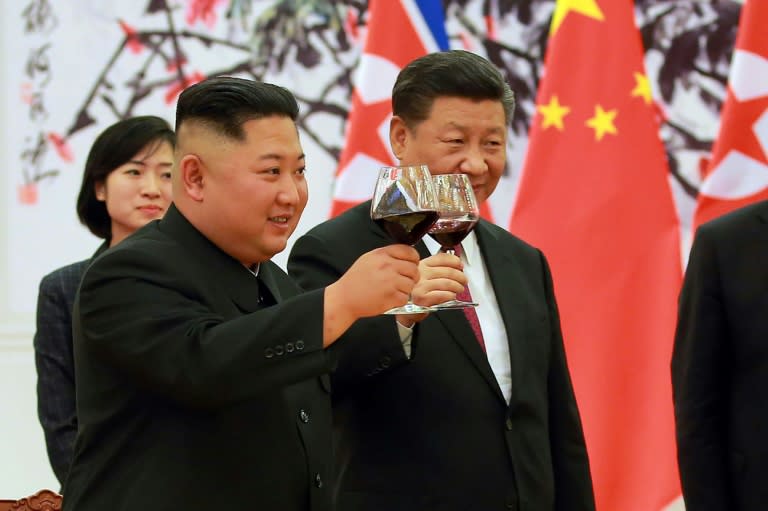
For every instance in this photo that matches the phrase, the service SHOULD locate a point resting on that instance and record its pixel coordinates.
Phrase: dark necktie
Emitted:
(265, 296)
(470, 312)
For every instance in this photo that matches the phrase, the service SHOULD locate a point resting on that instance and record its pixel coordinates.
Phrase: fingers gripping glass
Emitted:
(404, 206)
(458, 215)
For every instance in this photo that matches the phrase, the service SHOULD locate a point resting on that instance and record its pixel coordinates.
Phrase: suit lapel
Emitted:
(457, 325)
(227, 273)
(505, 275)
(267, 279)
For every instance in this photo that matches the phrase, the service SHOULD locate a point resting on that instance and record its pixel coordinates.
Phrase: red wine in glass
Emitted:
(407, 228)
(449, 232)
(458, 215)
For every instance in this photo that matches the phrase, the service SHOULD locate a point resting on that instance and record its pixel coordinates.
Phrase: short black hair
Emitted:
(455, 73)
(116, 146)
(225, 103)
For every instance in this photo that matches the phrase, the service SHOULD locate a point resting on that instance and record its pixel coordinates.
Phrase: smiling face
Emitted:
(245, 196)
(460, 136)
(137, 191)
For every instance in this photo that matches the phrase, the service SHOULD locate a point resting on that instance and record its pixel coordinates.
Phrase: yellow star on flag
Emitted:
(588, 8)
(553, 113)
(602, 122)
(642, 88)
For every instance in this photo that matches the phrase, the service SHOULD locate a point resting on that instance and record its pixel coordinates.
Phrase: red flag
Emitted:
(420, 30)
(737, 175)
(595, 198)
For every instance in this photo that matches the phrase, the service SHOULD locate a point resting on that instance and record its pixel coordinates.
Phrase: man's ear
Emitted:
(191, 174)
(398, 136)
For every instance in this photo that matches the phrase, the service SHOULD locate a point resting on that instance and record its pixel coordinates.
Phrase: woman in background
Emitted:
(126, 184)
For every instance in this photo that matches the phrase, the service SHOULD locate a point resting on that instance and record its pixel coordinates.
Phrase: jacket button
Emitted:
(318, 481)
(289, 347)
(508, 424)
(385, 361)
(279, 350)
(269, 353)
(304, 417)
(299, 345)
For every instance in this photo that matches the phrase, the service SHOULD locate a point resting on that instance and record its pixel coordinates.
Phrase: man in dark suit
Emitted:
(720, 365)
(200, 369)
(437, 422)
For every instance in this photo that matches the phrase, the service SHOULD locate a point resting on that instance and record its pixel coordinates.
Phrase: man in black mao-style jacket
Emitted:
(434, 422)
(720, 365)
(200, 368)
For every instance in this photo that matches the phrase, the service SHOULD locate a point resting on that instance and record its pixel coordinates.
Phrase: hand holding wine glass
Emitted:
(458, 215)
(404, 206)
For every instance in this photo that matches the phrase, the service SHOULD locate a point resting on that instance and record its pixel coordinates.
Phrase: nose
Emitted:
(474, 162)
(150, 185)
(288, 194)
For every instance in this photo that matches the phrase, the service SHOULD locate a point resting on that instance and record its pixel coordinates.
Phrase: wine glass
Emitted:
(404, 206)
(458, 214)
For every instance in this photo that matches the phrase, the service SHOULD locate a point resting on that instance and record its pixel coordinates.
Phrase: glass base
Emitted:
(410, 308)
(454, 304)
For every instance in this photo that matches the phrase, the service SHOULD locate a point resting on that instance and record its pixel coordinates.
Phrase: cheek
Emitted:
(495, 170)
(166, 190)
(303, 191)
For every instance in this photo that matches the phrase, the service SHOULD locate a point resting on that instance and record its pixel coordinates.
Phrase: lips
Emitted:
(151, 209)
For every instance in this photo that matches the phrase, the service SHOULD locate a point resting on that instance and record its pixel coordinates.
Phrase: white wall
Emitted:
(24, 466)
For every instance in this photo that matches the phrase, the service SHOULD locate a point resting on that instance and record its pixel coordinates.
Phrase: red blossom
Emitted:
(203, 10)
(26, 93)
(28, 194)
(175, 88)
(133, 42)
(61, 146)
(174, 64)
(490, 27)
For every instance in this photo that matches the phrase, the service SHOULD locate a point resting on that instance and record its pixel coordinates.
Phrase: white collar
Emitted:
(469, 247)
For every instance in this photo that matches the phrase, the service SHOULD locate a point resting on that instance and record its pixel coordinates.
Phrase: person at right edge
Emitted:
(433, 421)
(720, 365)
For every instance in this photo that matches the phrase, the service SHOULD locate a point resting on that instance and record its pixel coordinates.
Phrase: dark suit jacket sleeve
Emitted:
(55, 366)
(372, 345)
(700, 381)
(570, 463)
(150, 318)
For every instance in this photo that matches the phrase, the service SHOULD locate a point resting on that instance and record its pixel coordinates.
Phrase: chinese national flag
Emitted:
(399, 31)
(738, 172)
(595, 198)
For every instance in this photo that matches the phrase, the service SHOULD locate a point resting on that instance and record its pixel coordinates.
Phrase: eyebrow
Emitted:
(274, 156)
(162, 164)
(463, 127)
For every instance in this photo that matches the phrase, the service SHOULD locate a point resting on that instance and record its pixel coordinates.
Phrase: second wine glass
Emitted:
(405, 207)
(458, 214)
